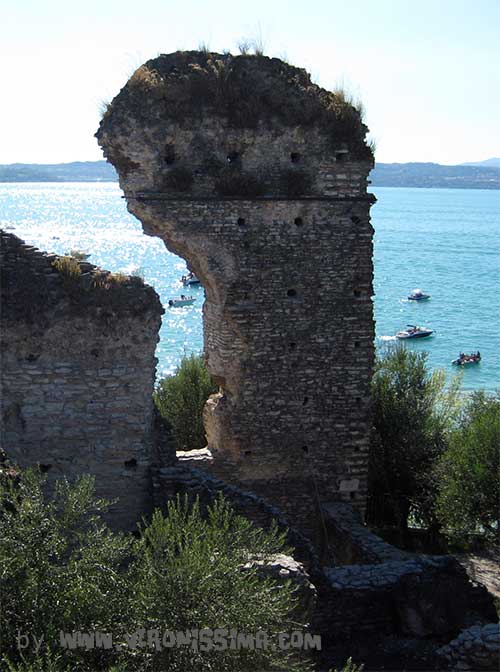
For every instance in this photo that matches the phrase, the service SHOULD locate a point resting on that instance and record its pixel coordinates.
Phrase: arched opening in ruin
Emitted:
(280, 309)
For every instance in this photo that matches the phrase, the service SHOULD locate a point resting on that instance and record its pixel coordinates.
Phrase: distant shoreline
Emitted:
(419, 175)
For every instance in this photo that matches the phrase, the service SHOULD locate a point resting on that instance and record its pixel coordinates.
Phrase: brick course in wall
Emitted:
(287, 269)
(77, 373)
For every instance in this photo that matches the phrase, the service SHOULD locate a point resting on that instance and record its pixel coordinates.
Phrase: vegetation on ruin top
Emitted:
(248, 90)
(101, 288)
(33, 283)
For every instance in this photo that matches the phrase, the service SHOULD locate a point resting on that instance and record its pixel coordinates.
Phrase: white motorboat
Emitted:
(418, 295)
(182, 301)
(414, 332)
(190, 279)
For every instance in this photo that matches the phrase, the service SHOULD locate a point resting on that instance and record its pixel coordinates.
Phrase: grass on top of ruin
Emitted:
(249, 89)
(100, 281)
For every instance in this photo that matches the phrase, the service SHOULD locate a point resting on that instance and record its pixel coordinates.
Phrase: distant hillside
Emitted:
(78, 171)
(383, 175)
(434, 175)
(489, 163)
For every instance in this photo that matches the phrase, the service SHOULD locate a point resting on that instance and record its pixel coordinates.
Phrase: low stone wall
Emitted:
(474, 650)
(77, 373)
(350, 542)
(428, 596)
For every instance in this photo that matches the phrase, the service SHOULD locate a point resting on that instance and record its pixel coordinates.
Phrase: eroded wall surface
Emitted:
(77, 373)
(258, 178)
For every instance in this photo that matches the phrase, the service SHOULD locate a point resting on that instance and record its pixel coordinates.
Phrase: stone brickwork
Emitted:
(349, 542)
(476, 649)
(258, 179)
(77, 373)
(427, 596)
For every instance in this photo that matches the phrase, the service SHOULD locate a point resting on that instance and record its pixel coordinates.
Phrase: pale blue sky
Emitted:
(427, 71)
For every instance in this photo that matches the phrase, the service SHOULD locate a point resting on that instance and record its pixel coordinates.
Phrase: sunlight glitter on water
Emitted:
(445, 241)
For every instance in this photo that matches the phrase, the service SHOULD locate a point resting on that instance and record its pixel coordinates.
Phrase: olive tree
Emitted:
(469, 470)
(413, 412)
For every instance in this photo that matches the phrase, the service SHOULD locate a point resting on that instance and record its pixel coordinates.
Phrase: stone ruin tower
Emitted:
(258, 178)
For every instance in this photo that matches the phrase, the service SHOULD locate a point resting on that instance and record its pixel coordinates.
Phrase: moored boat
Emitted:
(463, 359)
(414, 332)
(190, 279)
(418, 295)
(182, 301)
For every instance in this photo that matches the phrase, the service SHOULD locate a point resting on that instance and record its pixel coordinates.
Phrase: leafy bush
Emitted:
(60, 566)
(413, 413)
(188, 573)
(469, 470)
(62, 569)
(180, 399)
(48, 662)
(350, 667)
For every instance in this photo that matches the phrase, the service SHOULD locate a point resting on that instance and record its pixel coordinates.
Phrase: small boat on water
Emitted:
(463, 359)
(418, 295)
(190, 279)
(182, 301)
(414, 332)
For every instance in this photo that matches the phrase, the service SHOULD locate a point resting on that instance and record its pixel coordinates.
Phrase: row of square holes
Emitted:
(233, 157)
(298, 221)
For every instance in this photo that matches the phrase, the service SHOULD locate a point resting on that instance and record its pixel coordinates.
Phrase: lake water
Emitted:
(446, 241)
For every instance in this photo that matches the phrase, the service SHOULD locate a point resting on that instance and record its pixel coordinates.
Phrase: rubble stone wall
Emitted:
(476, 649)
(77, 373)
(350, 542)
(427, 596)
(271, 212)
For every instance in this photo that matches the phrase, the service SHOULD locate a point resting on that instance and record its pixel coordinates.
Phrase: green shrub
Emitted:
(48, 662)
(180, 399)
(413, 412)
(61, 568)
(187, 573)
(350, 667)
(469, 471)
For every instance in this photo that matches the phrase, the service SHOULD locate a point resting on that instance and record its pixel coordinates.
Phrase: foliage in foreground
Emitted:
(350, 667)
(413, 413)
(62, 569)
(469, 470)
(180, 399)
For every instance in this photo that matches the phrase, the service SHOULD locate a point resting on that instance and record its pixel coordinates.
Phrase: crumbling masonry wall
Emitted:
(77, 373)
(258, 179)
